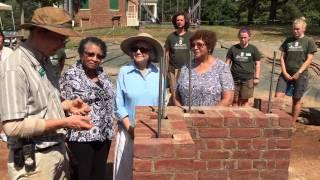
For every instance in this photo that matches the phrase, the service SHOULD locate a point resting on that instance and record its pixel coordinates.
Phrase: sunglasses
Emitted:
(198, 44)
(91, 54)
(142, 49)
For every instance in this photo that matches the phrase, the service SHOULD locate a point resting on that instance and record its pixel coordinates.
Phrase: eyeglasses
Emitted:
(198, 44)
(142, 49)
(92, 54)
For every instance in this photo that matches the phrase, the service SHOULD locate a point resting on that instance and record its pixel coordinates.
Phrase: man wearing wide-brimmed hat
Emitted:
(32, 114)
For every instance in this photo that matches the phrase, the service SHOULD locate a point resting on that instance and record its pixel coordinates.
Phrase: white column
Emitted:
(155, 12)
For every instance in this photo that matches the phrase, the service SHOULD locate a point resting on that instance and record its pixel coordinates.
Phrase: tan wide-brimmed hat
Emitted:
(53, 19)
(155, 45)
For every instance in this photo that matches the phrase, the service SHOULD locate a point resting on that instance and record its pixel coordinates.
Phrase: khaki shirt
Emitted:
(29, 90)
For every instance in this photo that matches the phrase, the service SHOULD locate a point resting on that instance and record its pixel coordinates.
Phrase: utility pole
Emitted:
(177, 5)
(162, 11)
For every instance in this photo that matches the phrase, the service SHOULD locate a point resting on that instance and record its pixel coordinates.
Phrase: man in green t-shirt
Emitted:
(245, 67)
(296, 55)
(177, 48)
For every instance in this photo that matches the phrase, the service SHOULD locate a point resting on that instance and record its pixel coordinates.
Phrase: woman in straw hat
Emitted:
(137, 85)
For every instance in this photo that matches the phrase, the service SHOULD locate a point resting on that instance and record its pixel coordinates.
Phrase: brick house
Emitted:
(105, 13)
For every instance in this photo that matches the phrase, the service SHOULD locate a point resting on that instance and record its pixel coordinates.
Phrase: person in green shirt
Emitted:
(177, 47)
(244, 59)
(296, 55)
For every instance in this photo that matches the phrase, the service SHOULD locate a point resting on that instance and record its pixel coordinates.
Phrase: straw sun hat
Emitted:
(53, 19)
(156, 46)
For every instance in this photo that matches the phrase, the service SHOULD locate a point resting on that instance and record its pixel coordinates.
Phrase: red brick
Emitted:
(271, 164)
(213, 175)
(199, 121)
(185, 176)
(263, 122)
(215, 122)
(213, 144)
(243, 174)
(214, 119)
(259, 144)
(272, 143)
(229, 164)
(259, 164)
(153, 176)
(274, 120)
(145, 130)
(231, 122)
(213, 133)
(214, 154)
(142, 165)
(284, 143)
(244, 164)
(214, 164)
(244, 144)
(246, 122)
(153, 148)
(245, 132)
(274, 175)
(170, 165)
(284, 133)
(229, 144)
(282, 164)
(199, 144)
(268, 133)
(246, 154)
(276, 154)
(178, 125)
(185, 151)
(199, 164)
(285, 122)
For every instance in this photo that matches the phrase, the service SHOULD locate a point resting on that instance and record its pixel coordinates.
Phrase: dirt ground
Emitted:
(305, 153)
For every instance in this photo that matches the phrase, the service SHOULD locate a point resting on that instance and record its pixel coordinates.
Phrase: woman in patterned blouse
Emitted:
(211, 79)
(87, 80)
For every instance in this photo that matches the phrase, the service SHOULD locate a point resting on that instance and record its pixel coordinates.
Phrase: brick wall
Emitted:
(212, 143)
(99, 14)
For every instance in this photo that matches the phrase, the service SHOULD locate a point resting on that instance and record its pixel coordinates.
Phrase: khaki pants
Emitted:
(51, 164)
(173, 76)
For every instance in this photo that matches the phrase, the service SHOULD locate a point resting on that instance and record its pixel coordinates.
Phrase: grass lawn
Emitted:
(224, 33)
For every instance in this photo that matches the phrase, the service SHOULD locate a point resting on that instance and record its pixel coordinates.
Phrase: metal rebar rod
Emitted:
(189, 91)
(271, 80)
(160, 98)
(164, 92)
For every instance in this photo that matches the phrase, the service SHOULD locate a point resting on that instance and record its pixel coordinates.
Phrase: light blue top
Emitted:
(134, 89)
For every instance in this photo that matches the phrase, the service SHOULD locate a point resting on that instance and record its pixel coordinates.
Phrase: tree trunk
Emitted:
(275, 5)
(251, 10)
(273, 11)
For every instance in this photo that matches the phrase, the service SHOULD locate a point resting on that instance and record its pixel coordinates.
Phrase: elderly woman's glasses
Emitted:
(91, 54)
(198, 44)
(142, 49)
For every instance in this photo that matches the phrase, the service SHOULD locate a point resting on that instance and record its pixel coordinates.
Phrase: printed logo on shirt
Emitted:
(243, 57)
(180, 44)
(41, 72)
(295, 46)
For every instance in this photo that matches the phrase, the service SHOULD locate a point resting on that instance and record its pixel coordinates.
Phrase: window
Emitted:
(84, 4)
(114, 4)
